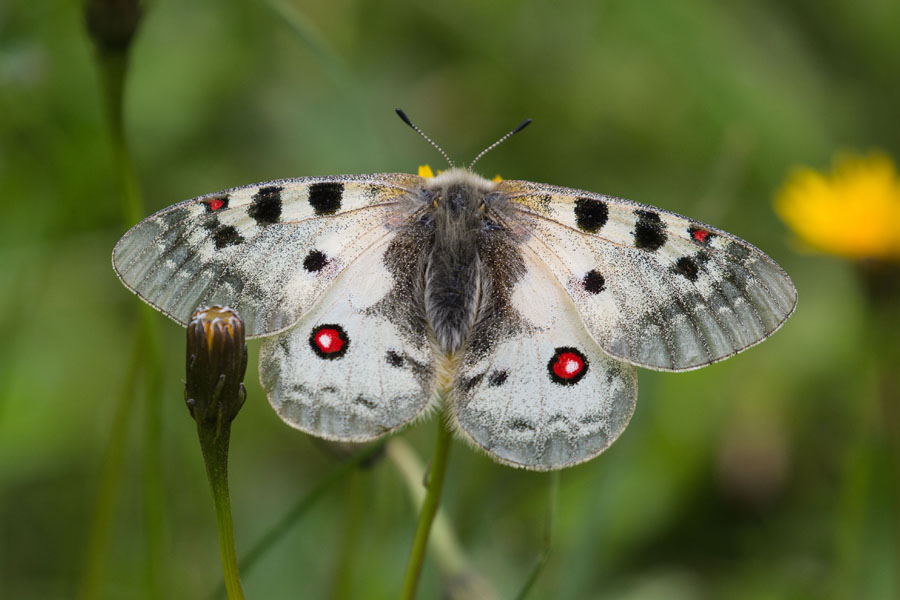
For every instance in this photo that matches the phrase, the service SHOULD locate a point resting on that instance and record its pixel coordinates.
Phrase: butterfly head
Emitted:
(460, 195)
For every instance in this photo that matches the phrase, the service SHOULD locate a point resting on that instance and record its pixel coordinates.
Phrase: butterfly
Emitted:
(521, 308)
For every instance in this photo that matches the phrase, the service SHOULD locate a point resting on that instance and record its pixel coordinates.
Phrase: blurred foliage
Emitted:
(770, 475)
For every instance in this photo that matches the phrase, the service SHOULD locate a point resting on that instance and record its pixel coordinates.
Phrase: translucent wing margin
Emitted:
(654, 288)
(268, 249)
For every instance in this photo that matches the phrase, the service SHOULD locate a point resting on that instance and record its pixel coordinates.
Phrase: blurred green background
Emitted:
(772, 475)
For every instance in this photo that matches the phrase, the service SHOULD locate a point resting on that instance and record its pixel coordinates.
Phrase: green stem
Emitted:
(436, 475)
(455, 568)
(110, 481)
(154, 489)
(552, 503)
(214, 445)
(112, 71)
(283, 526)
(354, 509)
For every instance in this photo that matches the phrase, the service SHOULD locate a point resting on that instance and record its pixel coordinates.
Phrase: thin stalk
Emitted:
(112, 72)
(93, 574)
(283, 526)
(461, 579)
(354, 507)
(436, 474)
(549, 519)
(154, 490)
(214, 445)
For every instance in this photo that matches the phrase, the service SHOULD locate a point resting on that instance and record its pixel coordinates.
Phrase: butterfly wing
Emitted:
(653, 288)
(357, 365)
(268, 250)
(534, 390)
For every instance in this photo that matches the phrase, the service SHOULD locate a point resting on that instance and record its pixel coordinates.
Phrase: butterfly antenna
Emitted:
(406, 120)
(521, 126)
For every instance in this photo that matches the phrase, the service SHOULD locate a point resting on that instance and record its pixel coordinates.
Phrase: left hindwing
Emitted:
(653, 288)
(268, 250)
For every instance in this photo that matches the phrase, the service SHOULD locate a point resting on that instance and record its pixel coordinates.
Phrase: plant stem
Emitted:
(112, 72)
(552, 502)
(455, 568)
(283, 526)
(354, 512)
(113, 75)
(154, 489)
(436, 475)
(92, 577)
(214, 445)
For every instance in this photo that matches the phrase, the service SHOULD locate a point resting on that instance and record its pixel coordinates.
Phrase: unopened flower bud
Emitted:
(112, 23)
(216, 362)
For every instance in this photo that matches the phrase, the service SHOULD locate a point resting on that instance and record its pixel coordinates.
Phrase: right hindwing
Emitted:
(534, 390)
(268, 250)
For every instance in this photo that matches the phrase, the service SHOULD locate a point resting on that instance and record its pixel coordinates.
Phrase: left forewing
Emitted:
(269, 250)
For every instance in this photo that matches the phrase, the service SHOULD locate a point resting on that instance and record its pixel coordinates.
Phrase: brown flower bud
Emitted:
(216, 362)
(112, 23)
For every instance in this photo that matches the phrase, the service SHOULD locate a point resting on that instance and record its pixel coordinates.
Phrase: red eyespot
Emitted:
(700, 235)
(215, 204)
(329, 341)
(567, 366)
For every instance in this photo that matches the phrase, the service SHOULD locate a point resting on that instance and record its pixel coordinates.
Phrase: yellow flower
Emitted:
(854, 212)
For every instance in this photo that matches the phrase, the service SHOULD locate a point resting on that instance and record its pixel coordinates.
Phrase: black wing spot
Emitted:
(394, 359)
(594, 282)
(265, 208)
(227, 235)
(472, 383)
(325, 198)
(687, 266)
(498, 378)
(649, 231)
(315, 261)
(590, 215)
